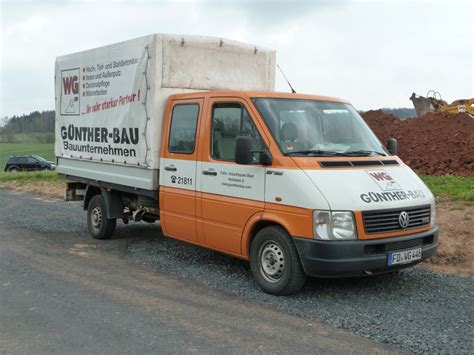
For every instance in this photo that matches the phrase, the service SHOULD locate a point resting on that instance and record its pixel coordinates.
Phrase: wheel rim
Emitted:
(272, 261)
(96, 218)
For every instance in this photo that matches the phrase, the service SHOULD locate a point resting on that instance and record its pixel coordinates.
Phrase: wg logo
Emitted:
(385, 181)
(70, 96)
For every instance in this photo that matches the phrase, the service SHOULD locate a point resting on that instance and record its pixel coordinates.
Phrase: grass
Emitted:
(456, 188)
(8, 149)
(32, 176)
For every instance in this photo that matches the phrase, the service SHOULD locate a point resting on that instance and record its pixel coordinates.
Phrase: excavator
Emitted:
(433, 102)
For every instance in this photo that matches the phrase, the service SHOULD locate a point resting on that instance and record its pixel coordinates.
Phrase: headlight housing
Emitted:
(433, 213)
(334, 225)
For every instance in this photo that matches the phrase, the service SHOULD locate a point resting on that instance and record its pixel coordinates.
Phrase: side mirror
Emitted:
(244, 153)
(243, 150)
(265, 157)
(392, 146)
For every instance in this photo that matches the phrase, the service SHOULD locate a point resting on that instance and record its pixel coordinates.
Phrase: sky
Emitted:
(372, 53)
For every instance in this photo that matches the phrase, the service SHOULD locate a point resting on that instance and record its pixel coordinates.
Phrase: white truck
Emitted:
(189, 131)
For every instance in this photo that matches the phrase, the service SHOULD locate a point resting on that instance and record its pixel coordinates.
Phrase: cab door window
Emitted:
(182, 137)
(230, 120)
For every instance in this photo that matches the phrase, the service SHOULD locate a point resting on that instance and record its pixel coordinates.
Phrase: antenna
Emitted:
(291, 87)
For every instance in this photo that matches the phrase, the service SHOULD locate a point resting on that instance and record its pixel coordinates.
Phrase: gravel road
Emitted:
(414, 310)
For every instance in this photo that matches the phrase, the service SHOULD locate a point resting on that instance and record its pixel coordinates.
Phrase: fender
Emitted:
(91, 191)
(298, 222)
(112, 199)
(247, 233)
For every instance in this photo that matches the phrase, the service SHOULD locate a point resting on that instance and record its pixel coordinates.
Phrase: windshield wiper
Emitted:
(332, 153)
(328, 153)
(364, 152)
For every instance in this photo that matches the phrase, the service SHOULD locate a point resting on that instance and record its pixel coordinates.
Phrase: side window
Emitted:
(32, 161)
(230, 120)
(183, 128)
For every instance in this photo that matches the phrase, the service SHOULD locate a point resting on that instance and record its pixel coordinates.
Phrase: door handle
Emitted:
(170, 168)
(209, 172)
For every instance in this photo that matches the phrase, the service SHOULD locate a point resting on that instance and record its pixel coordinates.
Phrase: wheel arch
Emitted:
(11, 167)
(91, 191)
(255, 224)
(112, 200)
(297, 222)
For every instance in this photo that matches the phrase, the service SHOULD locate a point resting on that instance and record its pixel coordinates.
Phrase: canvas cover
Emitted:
(110, 100)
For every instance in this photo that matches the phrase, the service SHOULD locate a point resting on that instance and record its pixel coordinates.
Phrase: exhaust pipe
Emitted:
(138, 214)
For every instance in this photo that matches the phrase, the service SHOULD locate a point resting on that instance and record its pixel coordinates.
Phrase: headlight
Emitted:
(335, 225)
(433, 214)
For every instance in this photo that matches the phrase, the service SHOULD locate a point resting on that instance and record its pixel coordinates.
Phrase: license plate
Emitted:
(404, 257)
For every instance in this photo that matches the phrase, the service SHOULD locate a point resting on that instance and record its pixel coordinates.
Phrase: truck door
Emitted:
(231, 193)
(178, 170)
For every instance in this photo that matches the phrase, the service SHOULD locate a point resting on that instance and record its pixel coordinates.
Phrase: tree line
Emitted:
(37, 127)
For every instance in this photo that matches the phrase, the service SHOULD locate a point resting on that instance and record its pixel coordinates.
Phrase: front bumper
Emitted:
(361, 257)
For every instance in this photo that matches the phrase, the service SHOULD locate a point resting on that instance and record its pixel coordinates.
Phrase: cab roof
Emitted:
(260, 94)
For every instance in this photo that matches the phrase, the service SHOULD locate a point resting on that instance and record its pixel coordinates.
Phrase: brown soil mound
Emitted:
(435, 144)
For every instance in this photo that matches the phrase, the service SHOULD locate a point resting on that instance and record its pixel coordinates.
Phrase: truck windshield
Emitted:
(317, 128)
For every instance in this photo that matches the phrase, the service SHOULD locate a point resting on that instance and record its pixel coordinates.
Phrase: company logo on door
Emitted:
(70, 96)
(384, 180)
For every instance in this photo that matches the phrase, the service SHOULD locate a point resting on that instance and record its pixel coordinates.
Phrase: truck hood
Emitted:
(371, 189)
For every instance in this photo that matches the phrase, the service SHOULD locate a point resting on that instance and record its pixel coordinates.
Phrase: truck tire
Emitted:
(99, 226)
(275, 262)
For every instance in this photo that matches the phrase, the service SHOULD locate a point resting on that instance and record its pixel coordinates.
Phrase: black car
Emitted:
(28, 163)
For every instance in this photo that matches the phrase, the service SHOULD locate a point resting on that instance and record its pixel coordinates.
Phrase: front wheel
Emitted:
(275, 263)
(99, 226)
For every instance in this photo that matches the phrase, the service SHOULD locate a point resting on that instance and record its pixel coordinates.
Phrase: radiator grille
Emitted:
(384, 221)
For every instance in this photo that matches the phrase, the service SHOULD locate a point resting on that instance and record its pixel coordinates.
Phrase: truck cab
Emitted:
(296, 184)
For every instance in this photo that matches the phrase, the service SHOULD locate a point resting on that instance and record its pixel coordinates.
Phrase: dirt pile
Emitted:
(435, 144)
(456, 245)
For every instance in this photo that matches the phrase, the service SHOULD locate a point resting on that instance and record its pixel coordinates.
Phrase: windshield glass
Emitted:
(39, 158)
(310, 127)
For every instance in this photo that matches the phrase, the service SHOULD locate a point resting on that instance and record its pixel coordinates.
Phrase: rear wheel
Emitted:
(13, 169)
(275, 263)
(99, 226)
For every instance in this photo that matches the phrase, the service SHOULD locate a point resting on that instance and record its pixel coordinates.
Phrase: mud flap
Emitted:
(113, 203)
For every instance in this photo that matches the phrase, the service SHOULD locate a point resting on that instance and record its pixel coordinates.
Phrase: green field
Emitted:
(450, 186)
(7, 149)
(30, 177)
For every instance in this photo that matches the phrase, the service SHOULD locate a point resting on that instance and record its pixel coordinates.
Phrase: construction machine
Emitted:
(433, 102)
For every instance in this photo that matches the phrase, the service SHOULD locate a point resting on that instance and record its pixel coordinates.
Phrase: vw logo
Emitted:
(403, 219)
